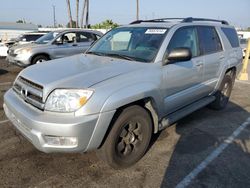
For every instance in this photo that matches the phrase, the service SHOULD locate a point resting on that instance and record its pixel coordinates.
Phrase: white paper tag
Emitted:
(156, 31)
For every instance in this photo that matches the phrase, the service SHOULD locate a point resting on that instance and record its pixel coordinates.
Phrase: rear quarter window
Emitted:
(209, 40)
(231, 36)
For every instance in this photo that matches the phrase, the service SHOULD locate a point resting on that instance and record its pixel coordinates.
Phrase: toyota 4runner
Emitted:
(135, 81)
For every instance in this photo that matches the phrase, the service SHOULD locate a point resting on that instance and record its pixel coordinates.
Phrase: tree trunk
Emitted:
(69, 14)
(83, 11)
(77, 13)
(87, 15)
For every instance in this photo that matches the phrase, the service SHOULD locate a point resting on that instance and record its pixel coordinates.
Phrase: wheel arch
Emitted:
(147, 103)
(38, 54)
(145, 95)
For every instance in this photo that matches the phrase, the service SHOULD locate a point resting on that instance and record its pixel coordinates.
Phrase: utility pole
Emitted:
(54, 15)
(137, 9)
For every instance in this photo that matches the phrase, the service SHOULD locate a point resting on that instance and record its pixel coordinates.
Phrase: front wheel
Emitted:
(39, 59)
(128, 139)
(223, 94)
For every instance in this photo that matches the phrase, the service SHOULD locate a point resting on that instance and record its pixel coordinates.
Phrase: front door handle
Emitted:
(199, 64)
(74, 45)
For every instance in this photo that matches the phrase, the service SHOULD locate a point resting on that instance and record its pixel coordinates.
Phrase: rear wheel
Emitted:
(39, 59)
(223, 94)
(128, 139)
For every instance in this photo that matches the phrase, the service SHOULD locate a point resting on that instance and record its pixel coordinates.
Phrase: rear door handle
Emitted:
(74, 45)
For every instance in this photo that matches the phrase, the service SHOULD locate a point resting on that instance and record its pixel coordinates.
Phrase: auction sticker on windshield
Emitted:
(155, 31)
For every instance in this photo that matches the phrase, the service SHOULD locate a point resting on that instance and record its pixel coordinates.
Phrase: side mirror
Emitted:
(178, 54)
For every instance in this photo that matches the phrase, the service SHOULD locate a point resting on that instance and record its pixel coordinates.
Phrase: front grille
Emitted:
(31, 92)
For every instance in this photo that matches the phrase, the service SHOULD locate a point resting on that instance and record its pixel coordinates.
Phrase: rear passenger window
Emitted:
(231, 36)
(185, 37)
(85, 37)
(209, 40)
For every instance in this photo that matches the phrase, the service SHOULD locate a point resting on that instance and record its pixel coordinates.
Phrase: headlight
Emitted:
(23, 51)
(67, 100)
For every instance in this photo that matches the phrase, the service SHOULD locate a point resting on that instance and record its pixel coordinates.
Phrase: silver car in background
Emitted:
(56, 44)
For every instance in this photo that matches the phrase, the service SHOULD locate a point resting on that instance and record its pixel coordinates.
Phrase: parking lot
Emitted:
(205, 149)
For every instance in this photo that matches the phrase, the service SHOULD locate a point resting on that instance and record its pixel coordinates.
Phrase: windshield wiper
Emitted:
(96, 53)
(120, 56)
(112, 55)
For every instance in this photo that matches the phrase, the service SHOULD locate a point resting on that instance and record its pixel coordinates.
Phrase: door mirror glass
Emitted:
(178, 54)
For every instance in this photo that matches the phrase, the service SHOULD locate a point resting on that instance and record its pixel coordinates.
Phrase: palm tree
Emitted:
(83, 11)
(69, 13)
(85, 14)
(77, 13)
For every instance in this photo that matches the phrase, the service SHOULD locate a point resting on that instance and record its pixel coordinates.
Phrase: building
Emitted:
(244, 34)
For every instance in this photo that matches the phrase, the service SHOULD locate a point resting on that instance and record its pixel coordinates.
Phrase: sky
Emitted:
(237, 12)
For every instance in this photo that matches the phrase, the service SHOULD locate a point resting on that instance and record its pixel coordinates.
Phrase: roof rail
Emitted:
(191, 19)
(184, 20)
(157, 20)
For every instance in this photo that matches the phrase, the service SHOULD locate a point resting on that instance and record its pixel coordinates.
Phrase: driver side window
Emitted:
(68, 38)
(185, 37)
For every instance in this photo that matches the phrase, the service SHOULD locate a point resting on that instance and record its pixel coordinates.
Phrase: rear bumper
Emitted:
(35, 124)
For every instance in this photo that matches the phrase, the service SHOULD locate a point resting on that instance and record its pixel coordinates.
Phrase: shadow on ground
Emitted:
(2, 71)
(209, 129)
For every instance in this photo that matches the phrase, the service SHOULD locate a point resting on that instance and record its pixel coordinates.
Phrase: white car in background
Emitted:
(29, 37)
(243, 45)
(21, 39)
(3, 49)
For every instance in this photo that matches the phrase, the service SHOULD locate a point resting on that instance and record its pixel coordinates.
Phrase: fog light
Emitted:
(61, 141)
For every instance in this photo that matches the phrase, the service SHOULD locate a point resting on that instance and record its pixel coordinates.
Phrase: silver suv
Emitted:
(56, 44)
(133, 82)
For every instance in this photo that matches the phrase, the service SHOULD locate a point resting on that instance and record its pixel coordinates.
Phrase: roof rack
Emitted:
(190, 19)
(183, 20)
(156, 20)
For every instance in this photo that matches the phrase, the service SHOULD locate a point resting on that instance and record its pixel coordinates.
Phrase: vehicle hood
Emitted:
(31, 45)
(79, 71)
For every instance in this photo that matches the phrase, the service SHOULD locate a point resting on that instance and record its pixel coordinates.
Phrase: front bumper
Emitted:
(20, 59)
(34, 124)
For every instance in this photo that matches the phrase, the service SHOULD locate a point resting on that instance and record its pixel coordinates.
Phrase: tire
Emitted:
(223, 94)
(39, 59)
(128, 138)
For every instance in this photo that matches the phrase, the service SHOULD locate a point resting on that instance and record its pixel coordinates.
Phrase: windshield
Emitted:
(132, 43)
(46, 38)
